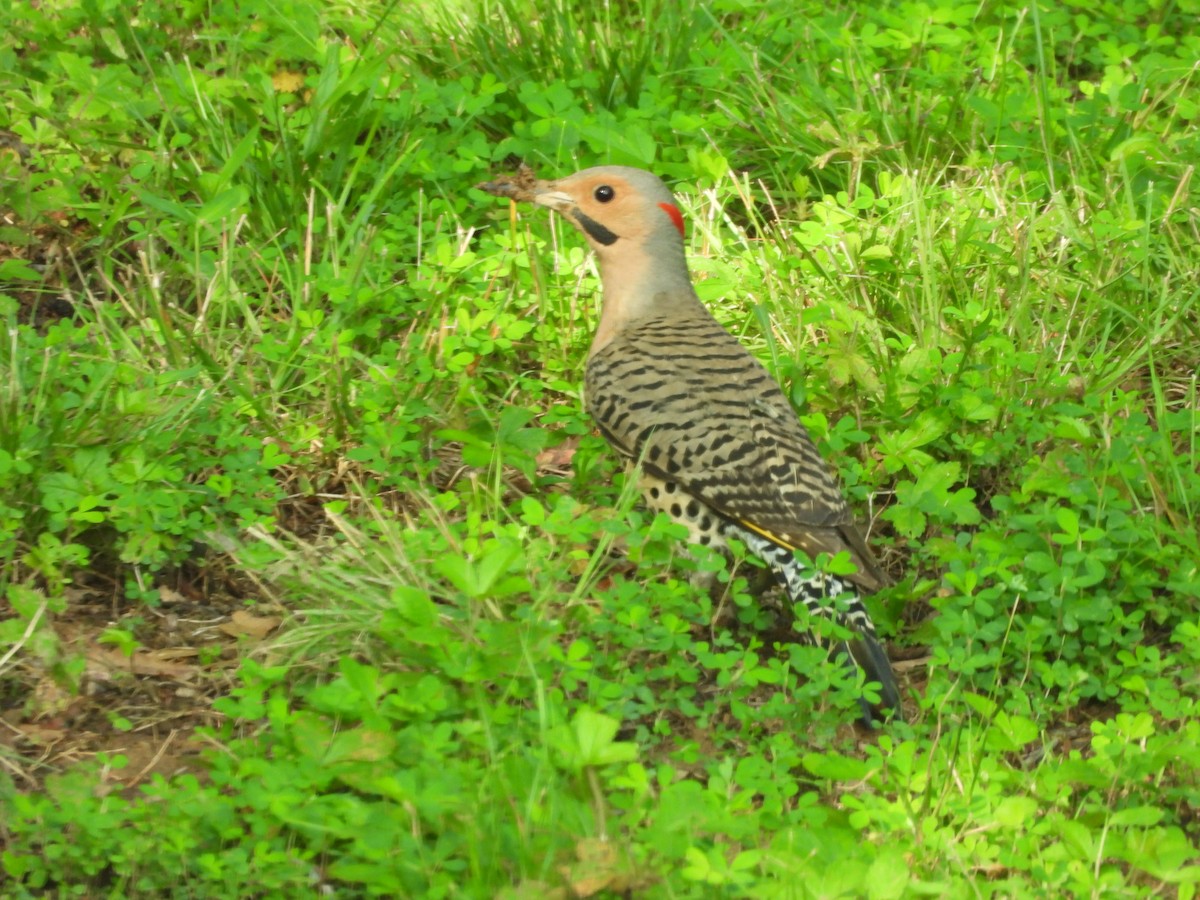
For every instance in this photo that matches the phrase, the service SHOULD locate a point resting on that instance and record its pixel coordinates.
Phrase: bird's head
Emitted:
(616, 208)
(630, 219)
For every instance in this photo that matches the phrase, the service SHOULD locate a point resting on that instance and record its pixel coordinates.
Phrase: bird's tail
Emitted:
(861, 650)
(826, 596)
(868, 654)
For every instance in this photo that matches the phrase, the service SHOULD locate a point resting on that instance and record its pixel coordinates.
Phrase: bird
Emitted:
(720, 447)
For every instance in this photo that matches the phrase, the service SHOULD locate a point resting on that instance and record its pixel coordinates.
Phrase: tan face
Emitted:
(608, 208)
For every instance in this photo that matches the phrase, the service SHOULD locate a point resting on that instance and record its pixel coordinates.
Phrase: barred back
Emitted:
(681, 395)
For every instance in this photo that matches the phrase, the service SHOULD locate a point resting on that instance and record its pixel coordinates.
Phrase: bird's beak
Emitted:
(545, 193)
(524, 186)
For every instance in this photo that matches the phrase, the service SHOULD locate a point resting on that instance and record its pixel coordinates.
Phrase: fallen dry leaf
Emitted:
(558, 457)
(177, 652)
(242, 623)
(142, 662)
(169, 595)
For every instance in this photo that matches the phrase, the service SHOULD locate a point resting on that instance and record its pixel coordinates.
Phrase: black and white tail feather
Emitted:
(821, 594)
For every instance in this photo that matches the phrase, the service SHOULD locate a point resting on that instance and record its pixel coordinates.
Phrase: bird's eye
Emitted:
(604, 193)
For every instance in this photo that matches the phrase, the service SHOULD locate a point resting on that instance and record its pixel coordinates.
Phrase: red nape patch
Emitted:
(673, 211)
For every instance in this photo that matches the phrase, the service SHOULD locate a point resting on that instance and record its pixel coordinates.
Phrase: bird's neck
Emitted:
(638, 287)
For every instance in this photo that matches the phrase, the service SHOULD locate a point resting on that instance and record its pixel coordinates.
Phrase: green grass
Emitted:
(267, 349)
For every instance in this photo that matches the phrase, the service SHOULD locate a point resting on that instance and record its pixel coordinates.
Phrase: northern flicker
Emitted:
(720, 447)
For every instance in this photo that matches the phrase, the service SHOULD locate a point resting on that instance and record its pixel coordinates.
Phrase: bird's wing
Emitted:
(692, 405)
